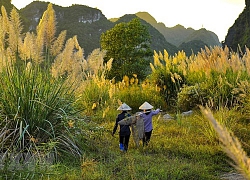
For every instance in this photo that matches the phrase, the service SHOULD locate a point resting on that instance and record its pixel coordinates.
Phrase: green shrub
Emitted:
(37, 110)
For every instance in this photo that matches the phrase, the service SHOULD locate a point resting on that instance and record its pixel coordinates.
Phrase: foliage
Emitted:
(36, 112)
(158, 41)
(231, 144)
(100, 98)
(190, 96)
(129, 46)
(135, 94)
(225, 117)
(210, 77)
(94, 91)
(220, 71)
(168, 74)
(95, 94)
(39, 120)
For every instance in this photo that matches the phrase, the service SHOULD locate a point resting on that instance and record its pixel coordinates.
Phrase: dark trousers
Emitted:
(147, 137)
(125, 140)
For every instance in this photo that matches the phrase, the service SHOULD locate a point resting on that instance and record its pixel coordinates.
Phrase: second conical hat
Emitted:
(146, 105)
(124, 107)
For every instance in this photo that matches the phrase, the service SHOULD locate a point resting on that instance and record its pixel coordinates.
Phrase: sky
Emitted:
(214, 15)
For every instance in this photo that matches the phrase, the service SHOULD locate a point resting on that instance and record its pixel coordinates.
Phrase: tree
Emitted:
(128, 44)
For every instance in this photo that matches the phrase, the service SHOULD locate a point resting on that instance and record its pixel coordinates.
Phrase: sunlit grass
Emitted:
(176, 151)
(231, 144)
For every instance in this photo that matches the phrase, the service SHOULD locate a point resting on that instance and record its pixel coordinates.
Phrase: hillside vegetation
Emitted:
(57, 110)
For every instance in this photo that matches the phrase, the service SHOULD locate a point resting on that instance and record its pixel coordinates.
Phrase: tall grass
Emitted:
(231, 144)
(37, 108)
(224, 116)
(207, 78)
(39, 77)
(134, 93)
(168, 75)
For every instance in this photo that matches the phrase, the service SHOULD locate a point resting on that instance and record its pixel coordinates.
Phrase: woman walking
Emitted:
(147, 115)
(124, 133)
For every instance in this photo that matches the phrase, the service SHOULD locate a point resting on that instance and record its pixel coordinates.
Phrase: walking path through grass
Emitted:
(178, 150)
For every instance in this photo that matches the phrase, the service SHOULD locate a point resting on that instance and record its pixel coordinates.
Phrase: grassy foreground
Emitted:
(179, 149)
(182, 148)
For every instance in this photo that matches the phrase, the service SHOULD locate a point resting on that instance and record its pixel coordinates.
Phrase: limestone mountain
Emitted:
(239, 33)
(179, 34)
(208, 37)
(87, 23)
(196, 46)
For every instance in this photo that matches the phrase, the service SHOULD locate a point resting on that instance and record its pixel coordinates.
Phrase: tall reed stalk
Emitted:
(230, 144)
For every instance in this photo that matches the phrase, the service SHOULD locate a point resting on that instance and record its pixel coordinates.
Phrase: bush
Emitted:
(37, 113)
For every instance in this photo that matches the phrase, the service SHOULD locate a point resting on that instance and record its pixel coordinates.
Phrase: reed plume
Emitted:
(231, 145)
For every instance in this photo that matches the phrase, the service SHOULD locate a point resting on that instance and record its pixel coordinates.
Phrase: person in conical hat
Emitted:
(137, 126)
(147, 115)
(124, 133)
(146, 106)
(124, 107)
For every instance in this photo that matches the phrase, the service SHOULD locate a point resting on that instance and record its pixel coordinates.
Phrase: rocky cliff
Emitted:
(238, 35)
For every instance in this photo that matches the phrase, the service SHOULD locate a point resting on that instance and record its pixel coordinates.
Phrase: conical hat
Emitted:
(124, 107)
(146, 105)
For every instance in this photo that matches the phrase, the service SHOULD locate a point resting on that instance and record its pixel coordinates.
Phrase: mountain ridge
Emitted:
(89, 23)
(179, 34)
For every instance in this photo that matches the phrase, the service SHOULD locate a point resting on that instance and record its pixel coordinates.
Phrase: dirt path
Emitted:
(232, 176)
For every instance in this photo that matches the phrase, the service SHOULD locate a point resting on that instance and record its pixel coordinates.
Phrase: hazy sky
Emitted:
(214, 15)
